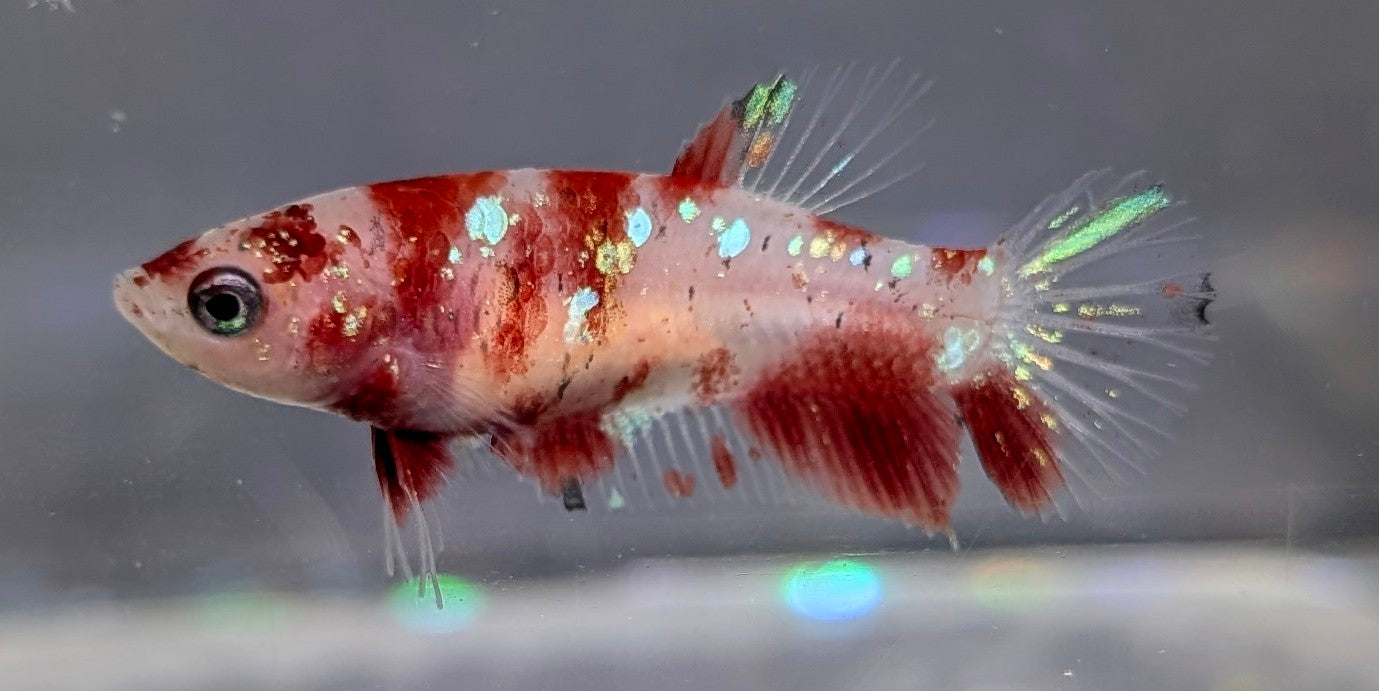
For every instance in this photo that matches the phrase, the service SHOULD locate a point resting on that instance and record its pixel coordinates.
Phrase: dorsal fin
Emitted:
(839, 145)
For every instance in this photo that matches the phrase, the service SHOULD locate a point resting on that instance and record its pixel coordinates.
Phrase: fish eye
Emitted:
(225, 301)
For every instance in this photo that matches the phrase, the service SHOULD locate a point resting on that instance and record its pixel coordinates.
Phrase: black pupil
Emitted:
(223, 306)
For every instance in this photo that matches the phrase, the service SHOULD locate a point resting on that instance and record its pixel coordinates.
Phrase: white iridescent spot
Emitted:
(957, 345)
(986, 265)
(954, 354)
(733, 240)
(487, 220)
(688, 210)
(455, 255)
(796, 246)
(638, 227)
(858, 256)
(580, 303)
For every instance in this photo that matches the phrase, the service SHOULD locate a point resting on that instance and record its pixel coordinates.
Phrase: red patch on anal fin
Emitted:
(723, 462)
(552, 452)
(1016, 447)
(855, 416)
(704, 157)
(411, 466)
(678, 484)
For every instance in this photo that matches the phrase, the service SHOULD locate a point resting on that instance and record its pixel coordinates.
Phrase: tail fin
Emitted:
(1103, 319)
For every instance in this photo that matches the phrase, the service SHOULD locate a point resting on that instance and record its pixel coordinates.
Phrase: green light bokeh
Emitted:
(462, 602)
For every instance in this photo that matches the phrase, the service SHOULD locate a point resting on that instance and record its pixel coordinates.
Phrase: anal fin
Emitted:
(558, 453)
(855, 416)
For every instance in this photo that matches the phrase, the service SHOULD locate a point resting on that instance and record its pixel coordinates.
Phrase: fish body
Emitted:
(561, 317)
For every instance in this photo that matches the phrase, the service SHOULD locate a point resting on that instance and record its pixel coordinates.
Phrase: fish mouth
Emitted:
(146, 310)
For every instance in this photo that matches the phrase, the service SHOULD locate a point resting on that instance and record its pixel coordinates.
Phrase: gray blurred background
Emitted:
(126, 126)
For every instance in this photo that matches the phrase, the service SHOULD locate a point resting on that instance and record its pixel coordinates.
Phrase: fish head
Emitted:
(276, 305)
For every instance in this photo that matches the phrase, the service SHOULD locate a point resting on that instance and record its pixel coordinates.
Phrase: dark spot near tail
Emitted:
(560, 390)
(765, 243)
(691, 293)
(572, 496)
(1192, 312)
(866, 262)
(838, 323)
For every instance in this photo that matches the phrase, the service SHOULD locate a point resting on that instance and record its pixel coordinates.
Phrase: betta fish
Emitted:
(625, 338)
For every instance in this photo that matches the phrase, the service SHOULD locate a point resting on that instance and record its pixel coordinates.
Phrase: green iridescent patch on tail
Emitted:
(1095, 228)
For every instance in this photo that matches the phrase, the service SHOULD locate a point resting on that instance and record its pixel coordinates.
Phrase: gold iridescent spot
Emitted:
(1092, 310)
(615, 257)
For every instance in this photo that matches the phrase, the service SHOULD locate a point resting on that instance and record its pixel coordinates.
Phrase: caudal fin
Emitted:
(1103, 321)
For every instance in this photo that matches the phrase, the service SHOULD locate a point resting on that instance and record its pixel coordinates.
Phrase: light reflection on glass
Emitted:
(836, 590)
(1007, 583)
(462, 603)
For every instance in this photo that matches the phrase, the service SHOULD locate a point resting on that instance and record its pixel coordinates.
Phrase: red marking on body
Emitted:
(956, 265)
(521, 318)
(288, 238)
(411, 466)
(328, 344)
(854, 414)
(589, 208)
(850, 235)
(1172, 289)
(670, 190)
(1016, 447)
(631, 383)
(171, 263)
(678, 484)
(705, 156)
(424, 216)
(723, 462)
(714, 374)
(373, 397)
(573, 447)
